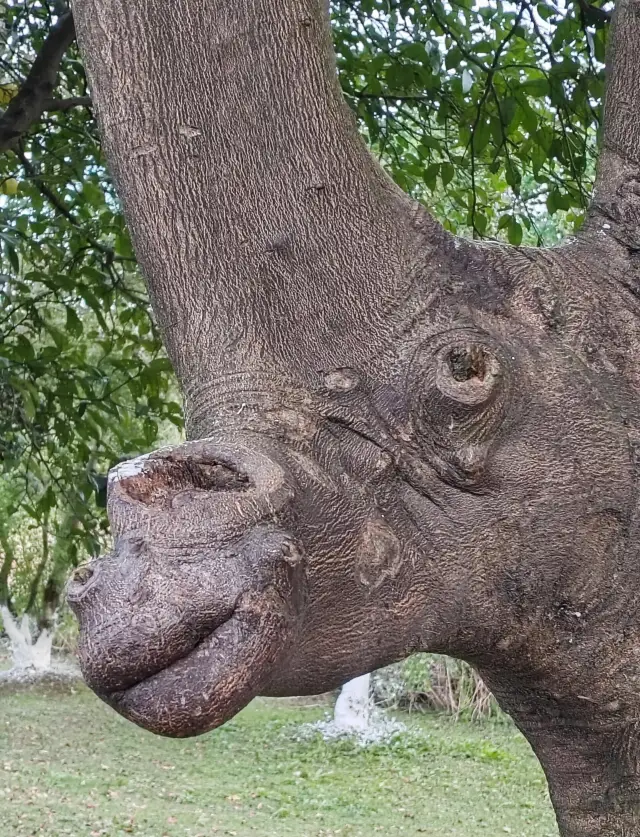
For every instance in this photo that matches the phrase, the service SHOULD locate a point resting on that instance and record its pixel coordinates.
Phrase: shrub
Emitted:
(437, 683)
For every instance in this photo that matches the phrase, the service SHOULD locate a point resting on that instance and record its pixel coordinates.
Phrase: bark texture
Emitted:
(400, 441)
(256, 175)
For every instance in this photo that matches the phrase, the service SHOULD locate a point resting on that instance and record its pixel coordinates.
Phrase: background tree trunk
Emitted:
(352, 712)
(27, 651)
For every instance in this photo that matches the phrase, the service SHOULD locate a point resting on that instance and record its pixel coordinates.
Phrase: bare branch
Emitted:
(28, 105)
(615, 210)
(63, 105)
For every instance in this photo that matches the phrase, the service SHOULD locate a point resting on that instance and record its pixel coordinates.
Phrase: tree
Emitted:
(81, 376)
(400, 440)
(33, 575)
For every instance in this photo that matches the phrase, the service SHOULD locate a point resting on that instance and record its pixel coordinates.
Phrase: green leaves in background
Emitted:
(488, 113)
(83, 378)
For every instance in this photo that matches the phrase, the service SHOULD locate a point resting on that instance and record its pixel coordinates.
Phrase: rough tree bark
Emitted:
(402, 440)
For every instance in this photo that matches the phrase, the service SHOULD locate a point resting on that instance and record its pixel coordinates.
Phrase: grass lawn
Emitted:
(69, 765)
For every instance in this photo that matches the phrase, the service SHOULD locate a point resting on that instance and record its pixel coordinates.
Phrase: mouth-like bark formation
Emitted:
(108, 673)
(217, 678)
(182, 623)
(203, 671)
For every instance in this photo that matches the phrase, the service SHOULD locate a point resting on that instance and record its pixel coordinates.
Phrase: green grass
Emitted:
(69, 765)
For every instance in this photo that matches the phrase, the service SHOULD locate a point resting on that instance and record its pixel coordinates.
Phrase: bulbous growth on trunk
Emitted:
(399, 440)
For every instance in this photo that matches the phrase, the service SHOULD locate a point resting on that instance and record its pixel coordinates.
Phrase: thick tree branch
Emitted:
(255, 208)
(593, 15)
(615, 210)
(35, 93)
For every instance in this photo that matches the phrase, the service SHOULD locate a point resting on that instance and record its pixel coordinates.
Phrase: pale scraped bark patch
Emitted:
(130, 468)
(133, 467)
(33, 663)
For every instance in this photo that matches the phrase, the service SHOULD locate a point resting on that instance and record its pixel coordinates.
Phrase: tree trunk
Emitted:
(273, 197)
(589, 754)
(6, 564)
(27, 653)
(64, 560)
(352, 712)
(400, 441)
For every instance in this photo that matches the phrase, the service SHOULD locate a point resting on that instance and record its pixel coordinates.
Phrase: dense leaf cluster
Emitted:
(83, 378)
(487, 111)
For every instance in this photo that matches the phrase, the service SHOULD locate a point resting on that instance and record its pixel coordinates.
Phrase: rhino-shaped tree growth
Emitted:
(399, 440)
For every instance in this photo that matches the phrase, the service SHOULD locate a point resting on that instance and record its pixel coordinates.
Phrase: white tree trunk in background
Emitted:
(353, 707)
(25, 653)
(355, 717)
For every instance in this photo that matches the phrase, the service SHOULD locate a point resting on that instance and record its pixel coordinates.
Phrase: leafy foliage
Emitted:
(83, 377)
(431, 681)
(489, 112)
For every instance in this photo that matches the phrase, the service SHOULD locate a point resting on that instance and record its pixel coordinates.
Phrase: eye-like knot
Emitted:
(460, 385)
(467, 373)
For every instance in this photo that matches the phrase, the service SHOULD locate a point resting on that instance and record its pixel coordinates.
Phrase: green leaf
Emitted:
(74, 324)
(514, 232)
(508, 110)
(513, 176)
(537, 87)
(159, 365)
(12, 256)
(481, 137)
(24, 349)
(447, 173)
(430, 175)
